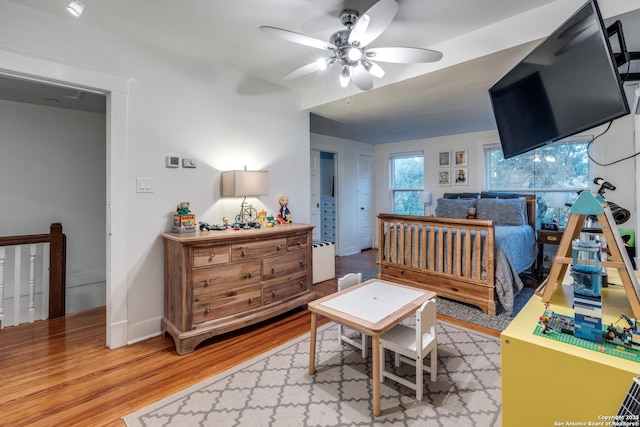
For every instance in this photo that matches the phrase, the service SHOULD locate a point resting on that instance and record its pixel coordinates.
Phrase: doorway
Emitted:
(115, 89)
(324, 203)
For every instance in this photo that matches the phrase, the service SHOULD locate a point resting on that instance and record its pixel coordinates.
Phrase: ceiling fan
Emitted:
(350, 49)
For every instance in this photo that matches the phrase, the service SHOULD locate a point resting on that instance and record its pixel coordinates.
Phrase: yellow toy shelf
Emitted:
(551, 383)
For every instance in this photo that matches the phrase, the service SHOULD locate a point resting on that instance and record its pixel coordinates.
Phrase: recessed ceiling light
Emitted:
(75, 8)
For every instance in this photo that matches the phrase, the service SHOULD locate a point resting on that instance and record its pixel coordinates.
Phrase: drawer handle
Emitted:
(273, 293)
(552, 238)
(301, 262)
(250, 275)
(250, 300)
(299, 243)
(207, 282)
(301, 284)
(212, 256)
(278, 247)
(208, 309)
(243, 253)
(273, 269)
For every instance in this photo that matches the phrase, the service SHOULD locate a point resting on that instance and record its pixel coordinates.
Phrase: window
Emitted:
(554, 173)
(407, 181)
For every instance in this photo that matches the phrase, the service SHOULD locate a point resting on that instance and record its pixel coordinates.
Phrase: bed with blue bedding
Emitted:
(476, 261)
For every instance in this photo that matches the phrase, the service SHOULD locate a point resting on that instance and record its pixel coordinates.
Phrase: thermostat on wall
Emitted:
(173, 161)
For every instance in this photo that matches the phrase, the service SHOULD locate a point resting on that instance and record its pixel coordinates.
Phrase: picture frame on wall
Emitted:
(444, 177)
(460, 176)
(461, 158)
(444, 159)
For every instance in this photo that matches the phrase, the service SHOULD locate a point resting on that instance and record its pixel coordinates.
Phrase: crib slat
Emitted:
(458, 251)
(467, 253)
(478, 251)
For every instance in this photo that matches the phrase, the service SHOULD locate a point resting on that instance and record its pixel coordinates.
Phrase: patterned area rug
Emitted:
(275, 389)
(471, 313)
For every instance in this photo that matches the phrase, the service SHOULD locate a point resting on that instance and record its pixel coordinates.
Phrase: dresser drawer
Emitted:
(328, 204)
(226, 276)
(242, 251)
(328, 219)
(211, 255)
(284, 264)
(297, 242)
(328, 212)
(222, 303)
(328, 227)
(549, 237)
(277, 290)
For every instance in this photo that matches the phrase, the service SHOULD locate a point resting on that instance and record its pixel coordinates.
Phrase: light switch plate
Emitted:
(143, 185)
(189, 163)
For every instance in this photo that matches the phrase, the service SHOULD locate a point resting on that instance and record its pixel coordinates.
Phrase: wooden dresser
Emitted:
(219, 281)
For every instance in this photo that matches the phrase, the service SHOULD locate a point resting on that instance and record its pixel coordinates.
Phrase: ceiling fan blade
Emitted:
(379, 16)
(361, 77)
(403, 55)
(306, 69)
(298, 38)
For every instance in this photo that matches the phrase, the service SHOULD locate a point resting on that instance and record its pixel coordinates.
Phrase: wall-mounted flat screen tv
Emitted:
(567, 84)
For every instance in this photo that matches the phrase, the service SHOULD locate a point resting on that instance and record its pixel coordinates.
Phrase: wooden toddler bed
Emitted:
(476, 261)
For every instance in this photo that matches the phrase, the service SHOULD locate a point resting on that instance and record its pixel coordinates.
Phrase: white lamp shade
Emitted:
(245, 183)
(425, 197)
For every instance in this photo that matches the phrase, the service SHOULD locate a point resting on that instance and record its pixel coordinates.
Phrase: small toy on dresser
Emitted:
(284, 215)
(184, 221)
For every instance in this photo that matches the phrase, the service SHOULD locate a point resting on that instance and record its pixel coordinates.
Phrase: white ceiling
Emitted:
(480, 41)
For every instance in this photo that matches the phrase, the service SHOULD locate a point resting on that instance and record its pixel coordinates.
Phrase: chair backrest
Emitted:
(349, 280)
(425, 321)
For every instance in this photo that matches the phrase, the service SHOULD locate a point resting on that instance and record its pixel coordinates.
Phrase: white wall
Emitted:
(175, 106)
(52, 169)
(347, 152)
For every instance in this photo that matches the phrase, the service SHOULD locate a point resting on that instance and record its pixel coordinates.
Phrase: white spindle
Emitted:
(2, 287)
(32, 283)
(45, 281)
(17, 251)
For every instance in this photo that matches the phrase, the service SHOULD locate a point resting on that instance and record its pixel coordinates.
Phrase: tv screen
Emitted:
(567, 84)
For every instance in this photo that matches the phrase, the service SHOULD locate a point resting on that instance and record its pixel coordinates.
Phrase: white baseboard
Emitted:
(144, 330)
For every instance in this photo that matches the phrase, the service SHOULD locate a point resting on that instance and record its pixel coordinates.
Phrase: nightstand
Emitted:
(546, 237)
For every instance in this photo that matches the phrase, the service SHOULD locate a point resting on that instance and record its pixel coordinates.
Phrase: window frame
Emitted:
(537, 190)
(393, 189)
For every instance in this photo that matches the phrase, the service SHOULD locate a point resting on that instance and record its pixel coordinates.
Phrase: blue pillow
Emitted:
(498, 195)
(454, 208)
(503, 211)
(461, 196)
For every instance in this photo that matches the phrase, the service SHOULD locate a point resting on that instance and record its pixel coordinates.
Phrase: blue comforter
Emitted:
(516, 251)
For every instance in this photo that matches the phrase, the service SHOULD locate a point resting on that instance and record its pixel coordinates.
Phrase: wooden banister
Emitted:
(57, 272)
(57, 263)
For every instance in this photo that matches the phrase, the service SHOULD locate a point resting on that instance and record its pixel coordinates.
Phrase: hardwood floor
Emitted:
(60, 373)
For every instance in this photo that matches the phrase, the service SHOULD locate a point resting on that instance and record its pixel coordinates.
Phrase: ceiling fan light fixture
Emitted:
(354, 54)
(345, 75)
(76, 8)
(322, 64)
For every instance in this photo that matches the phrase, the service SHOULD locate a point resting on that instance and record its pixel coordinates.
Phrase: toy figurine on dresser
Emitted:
(284, 215)
(183, 221)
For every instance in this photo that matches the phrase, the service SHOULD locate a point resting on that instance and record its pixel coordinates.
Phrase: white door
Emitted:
(364, 188)
(315, 193)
